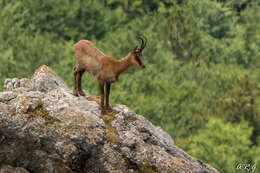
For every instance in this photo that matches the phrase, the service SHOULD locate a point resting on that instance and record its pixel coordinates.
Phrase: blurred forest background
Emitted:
(202, 79)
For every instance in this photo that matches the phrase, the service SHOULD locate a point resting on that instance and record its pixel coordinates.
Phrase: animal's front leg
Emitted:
(101, 89)
(107, 96)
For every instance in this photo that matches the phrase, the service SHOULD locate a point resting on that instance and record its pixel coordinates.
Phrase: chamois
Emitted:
(105, 69)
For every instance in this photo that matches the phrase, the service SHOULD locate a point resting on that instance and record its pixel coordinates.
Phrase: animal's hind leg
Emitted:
(101, 90)
(75, 87)
(80, 91)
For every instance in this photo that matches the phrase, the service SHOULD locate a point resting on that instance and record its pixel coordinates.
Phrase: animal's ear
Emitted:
(135, 49)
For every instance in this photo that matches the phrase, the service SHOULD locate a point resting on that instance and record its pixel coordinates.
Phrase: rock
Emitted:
(44, 128)
(10, 169)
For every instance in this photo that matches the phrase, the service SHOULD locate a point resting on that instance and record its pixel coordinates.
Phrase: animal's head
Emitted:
(137, 54)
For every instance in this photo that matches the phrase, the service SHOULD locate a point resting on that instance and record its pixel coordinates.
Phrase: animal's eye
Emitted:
(137, 54)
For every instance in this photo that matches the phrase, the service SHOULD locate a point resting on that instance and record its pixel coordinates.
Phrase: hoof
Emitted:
(108, 108)
(82, 93)
(75, 93)
(103, 110)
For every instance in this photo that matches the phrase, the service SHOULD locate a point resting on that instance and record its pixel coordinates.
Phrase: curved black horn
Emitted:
(144, 41)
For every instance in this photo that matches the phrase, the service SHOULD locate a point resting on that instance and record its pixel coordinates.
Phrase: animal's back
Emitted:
(88, 57)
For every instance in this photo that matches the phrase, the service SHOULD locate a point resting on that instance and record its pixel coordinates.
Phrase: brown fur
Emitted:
(104, 68)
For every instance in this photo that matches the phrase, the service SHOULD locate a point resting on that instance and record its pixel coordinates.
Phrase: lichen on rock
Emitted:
(45, 128)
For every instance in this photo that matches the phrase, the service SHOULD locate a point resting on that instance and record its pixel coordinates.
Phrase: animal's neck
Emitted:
(123, 64)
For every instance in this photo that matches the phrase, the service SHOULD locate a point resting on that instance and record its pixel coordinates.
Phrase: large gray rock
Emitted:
(10, 169)
(44, 128)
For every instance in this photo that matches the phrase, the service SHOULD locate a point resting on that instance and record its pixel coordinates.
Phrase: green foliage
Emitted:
(23, 54)
(250, 20)
(225, 146)
(63, 19)
(140, 7)
(202, 61)
(217, 29)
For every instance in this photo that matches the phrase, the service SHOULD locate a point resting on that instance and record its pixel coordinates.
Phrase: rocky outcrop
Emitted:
(44, 128)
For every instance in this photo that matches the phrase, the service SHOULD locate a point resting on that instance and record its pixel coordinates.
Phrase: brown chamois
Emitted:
(105, 69)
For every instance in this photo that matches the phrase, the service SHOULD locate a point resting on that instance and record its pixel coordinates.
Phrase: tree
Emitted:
(225, 146)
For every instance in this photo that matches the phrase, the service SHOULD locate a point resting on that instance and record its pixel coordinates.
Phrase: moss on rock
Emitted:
(111, 133)
(41, 111)
(141, 168)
